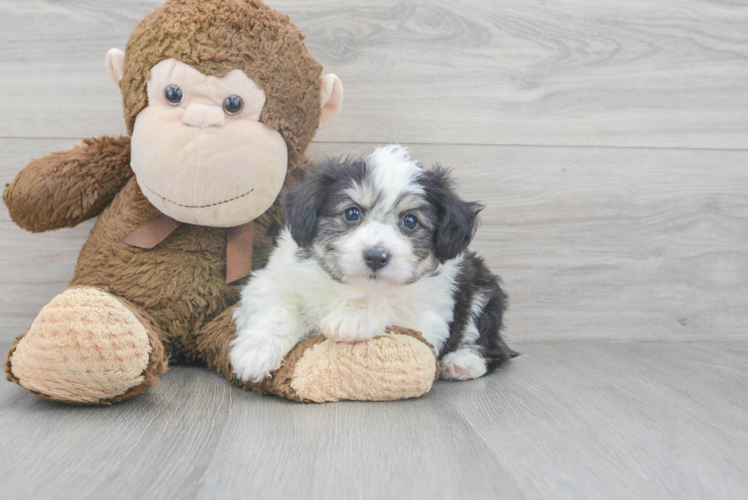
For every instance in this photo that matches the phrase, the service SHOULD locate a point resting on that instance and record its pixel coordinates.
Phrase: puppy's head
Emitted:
(382, 218)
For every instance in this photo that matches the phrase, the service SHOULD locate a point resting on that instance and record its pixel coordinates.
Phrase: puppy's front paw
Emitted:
(350, 326)
(253, 357)
(462, 364)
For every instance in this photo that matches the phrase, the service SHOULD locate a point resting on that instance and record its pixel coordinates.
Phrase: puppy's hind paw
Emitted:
(462, 364)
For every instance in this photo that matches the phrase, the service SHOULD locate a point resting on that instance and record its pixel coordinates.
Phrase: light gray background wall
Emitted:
(608, 140)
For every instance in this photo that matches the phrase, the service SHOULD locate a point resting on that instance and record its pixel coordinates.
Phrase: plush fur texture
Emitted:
(215, 36)
(66, 188)
(401, 366)
(87, 346)
(373, 243)
(180, 282)
(199, 165)
(405, 368)
(176, 291)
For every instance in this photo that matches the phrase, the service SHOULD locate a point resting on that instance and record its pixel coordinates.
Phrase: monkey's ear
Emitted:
(331, 97)
(115, 63)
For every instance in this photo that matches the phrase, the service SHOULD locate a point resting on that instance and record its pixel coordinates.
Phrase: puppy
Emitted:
(370, 243)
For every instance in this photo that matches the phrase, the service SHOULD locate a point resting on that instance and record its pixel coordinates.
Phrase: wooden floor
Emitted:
(582, 420)
(609, 143)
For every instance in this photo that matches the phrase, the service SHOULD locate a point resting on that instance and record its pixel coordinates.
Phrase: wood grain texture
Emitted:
(658, 73)
(586, 420)
(622, 244)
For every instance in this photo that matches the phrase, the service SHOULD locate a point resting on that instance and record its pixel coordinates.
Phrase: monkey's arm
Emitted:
(64, 189)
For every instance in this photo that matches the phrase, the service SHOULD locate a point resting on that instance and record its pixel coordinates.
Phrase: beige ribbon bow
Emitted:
(239, 241)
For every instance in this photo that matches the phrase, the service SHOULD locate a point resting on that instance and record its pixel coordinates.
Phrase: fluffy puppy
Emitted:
(370, 243)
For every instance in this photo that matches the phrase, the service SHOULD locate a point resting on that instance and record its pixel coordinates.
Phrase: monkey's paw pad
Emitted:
(84, 347)
(389, 367)
(462, 364)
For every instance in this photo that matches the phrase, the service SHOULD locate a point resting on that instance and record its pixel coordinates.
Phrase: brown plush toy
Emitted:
(221, 100)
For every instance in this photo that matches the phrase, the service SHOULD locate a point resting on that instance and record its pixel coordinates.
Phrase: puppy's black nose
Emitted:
(376, 258)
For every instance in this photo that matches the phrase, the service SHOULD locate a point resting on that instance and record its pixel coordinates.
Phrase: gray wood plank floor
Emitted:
(580, 420)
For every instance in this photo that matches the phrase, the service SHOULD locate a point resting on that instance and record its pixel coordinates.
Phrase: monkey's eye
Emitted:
(174, 95)
(410, 221)
(352, 214)
(233, 105)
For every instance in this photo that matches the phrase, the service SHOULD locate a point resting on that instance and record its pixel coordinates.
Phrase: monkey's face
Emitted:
(220, 98)
(199, 150)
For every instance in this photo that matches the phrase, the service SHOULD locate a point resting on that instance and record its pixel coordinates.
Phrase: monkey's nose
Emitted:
(376, 258)
(203, 116)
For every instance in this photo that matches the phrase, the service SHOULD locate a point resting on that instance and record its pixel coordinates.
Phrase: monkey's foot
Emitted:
(399, 364)
(87, 347)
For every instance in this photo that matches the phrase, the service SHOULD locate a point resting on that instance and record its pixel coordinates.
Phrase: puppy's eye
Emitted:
(173, 95)
(410, 221)
(233, 105)
(352, 214)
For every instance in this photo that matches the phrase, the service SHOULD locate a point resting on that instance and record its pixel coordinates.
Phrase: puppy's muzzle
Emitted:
(376, 258)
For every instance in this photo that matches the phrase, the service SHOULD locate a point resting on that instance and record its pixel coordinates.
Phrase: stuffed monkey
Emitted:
(221, 99)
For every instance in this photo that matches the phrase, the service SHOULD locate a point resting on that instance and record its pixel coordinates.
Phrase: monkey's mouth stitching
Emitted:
(199, 206)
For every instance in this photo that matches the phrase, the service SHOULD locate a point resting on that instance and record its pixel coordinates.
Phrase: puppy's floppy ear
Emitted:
(457, 220)
(300, 206)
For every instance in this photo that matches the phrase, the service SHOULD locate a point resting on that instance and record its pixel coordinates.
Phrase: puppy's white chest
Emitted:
(426, 306)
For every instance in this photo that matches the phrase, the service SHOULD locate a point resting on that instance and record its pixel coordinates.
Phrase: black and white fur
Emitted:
(322, 276)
